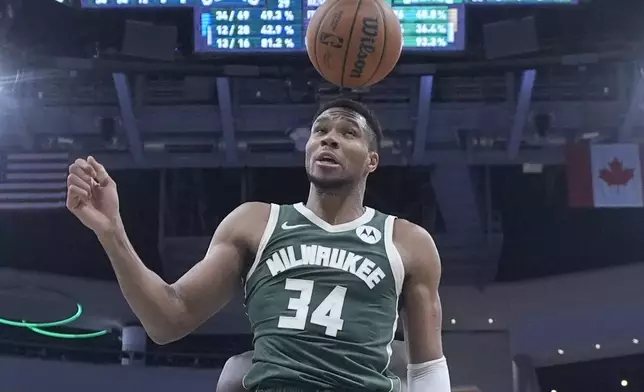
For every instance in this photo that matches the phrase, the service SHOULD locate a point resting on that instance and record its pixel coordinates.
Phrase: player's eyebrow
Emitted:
(356, 120)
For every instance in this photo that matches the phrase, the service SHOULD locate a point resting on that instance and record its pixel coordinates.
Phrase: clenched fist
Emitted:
(92, 196)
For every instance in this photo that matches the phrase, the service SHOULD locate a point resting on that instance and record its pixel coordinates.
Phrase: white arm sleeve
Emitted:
(432, 376)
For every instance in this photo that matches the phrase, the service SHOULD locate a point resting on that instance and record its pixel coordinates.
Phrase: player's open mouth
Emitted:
(327, 160)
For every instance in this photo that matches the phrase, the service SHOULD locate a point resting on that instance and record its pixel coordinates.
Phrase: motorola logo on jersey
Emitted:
(369, 234)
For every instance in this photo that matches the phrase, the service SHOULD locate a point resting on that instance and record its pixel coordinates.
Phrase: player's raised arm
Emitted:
(422, 316)
(167, 311)
(170, 312)
(210, 284)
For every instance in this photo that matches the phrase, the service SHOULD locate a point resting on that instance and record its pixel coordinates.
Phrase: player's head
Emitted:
(343, 146)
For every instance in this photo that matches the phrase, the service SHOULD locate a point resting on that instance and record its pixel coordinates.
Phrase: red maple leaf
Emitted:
(615, 174)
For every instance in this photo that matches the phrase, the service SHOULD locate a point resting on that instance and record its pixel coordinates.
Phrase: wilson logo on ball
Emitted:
(370, 27)
(331, 40)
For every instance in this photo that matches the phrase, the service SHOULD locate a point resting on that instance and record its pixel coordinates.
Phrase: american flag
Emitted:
(33, 181)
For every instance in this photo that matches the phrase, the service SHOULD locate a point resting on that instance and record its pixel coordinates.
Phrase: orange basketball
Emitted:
(354, 43)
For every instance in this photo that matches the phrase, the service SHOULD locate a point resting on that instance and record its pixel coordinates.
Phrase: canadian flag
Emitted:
(605, 175)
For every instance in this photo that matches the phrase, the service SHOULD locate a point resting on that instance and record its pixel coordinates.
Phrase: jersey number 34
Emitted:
(328, 314)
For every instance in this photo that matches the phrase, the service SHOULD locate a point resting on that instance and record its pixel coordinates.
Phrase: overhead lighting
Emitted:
(490, 321)
(453, 321)
(598, 346)
(636, 341)
(560, 352)
(624, 383)
(553, 390)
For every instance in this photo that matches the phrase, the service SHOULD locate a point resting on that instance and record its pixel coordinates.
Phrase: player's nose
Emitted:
(330, 139)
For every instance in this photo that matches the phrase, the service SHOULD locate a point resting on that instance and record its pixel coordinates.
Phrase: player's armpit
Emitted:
(211, 283)
(422, 316)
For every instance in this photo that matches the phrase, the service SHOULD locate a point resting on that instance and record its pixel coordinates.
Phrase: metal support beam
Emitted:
(422, 116)
(637, 98)
(124, 95)
(521, 113)
(227, 123)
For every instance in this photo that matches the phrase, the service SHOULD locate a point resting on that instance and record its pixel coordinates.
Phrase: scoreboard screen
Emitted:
(192, 3)
(280, 25)
(274, 26)
(136, 3)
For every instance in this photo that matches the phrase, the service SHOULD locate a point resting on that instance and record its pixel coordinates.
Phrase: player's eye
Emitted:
(319, 130)
(351, 132)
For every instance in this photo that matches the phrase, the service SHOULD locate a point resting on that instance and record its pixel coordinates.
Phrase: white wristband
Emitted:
(431, 376)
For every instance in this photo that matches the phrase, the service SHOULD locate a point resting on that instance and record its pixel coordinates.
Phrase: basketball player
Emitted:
(322, 279)
(235, 368)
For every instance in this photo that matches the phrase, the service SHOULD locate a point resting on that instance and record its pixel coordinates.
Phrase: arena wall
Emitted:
(480, 359)
(27, 375)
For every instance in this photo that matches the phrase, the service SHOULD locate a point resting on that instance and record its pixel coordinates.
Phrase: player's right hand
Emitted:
(92, 195)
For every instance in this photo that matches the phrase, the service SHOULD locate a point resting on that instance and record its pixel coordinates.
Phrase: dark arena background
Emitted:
(512, 134)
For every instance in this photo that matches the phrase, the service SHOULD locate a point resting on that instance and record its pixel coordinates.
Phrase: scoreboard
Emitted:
(136, 3)
(280, 25)
(519, 2)
(277, 26)
(193, 3)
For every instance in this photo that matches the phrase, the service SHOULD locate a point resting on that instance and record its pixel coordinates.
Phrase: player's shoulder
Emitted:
(251, 207)
(247, 222)
(252, 212)
(415, 245)
(406, 233)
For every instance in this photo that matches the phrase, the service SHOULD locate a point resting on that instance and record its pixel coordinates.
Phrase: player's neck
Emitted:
(336, 206)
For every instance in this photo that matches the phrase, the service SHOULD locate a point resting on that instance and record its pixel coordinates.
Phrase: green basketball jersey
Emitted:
(322, 300)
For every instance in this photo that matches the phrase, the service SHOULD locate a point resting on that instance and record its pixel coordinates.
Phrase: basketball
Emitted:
(354, 43)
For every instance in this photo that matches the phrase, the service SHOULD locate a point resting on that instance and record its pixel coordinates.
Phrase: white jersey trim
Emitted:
(365, 218)
(395, 260)
(398, 271)
(390, 349)
(268, 232)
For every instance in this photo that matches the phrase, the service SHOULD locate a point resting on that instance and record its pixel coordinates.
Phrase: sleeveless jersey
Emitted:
(322, 301)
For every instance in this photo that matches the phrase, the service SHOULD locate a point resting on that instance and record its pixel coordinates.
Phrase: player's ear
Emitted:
(374, 160)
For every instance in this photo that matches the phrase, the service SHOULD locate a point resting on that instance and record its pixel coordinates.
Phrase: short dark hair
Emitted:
(362, 110)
